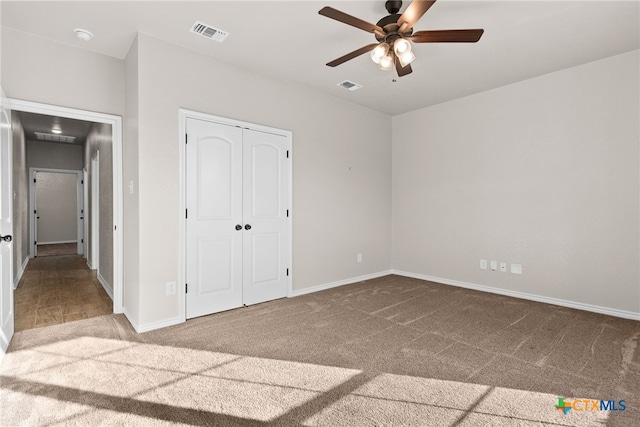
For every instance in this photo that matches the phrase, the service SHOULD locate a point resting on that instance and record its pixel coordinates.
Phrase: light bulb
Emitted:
(379, 52)
(386, 63)
(56, 130)
(406, 58)
(401, 46)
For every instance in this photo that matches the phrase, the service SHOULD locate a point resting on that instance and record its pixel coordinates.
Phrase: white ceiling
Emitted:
(290, 41)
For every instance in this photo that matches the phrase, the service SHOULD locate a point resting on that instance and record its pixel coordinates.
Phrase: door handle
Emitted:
(6, 238)
(238, 227)
(247, 227)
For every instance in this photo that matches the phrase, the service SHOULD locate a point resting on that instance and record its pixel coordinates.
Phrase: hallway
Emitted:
(58, 287)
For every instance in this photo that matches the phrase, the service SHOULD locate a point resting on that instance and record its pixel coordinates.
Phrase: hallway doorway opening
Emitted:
(69, 277)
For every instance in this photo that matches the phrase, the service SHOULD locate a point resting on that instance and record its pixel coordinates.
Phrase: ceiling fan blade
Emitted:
(352, 55)
(332, 13)
(414, 12)
(446, 36)
(403, 71)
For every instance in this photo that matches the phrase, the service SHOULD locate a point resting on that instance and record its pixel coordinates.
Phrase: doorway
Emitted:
(56, 208)
(113, 209)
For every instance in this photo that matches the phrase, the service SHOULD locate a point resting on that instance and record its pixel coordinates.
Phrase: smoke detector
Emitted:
(83, 34)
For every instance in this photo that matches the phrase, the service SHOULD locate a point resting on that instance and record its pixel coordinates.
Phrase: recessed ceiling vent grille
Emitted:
(349, 85)
(208, 31)
(54, 138)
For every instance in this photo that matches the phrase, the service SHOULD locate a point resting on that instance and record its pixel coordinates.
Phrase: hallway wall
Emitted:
(99, 139)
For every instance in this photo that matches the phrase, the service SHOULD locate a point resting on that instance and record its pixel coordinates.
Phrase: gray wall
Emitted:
(543, 173)
(131, 267)
(54, 73)
(54, 155)
(341, 169)
(21, 199)
(99, 139)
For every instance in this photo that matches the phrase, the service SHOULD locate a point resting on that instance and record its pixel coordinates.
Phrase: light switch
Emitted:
(494, 265)
(130, 186)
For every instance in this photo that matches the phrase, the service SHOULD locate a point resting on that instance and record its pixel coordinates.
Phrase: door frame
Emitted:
(185, 114)
(33, 251)
(116, 144)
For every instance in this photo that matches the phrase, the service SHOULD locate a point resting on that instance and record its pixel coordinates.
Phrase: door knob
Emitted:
(238, 227)
(6, 238)
(247, 227)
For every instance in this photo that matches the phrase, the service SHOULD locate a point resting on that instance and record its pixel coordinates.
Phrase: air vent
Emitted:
(54, 138)
(208, 31)
(349, 85)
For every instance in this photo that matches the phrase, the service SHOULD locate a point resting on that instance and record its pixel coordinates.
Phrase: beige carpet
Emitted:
(386, 352)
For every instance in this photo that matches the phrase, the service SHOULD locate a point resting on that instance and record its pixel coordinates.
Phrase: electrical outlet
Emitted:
(171, 288)
(503, 267)
(483, 264)
(494, 265)
(516, 269)
(359, 258)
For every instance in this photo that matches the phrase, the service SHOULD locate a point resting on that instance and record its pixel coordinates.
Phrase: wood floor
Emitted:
(58, 289)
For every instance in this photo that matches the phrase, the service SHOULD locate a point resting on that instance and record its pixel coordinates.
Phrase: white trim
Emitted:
(129, 317)
(349, 281)
(116, 147)
(183, 114)
(89, 264)
(16, 282)
(60, 242)
(33, 250)
(151, 326)
(522, 295)
(105, 285)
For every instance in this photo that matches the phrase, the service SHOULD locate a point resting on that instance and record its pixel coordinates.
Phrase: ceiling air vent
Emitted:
(349, 85)
(208, 31)
(54, 138)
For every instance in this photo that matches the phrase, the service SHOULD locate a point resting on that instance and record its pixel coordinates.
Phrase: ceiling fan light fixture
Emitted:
(406, 58)
(401, 46)
(379, 52)
(386, 63)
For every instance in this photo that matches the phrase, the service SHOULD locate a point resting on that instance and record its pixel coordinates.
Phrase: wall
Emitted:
(20, 200)
(54, 155)
(99, 139)
(341, 169)
(54, 73)
(131, 237)
(543, 173)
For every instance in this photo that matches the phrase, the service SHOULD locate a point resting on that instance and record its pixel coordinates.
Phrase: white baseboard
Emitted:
(106, 286)
(322, 287)
(151, 326)
(16, 282)
(58, 242)
(522, 295)
(89, 264)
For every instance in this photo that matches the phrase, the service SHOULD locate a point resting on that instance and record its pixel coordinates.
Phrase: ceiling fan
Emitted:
(394, 34)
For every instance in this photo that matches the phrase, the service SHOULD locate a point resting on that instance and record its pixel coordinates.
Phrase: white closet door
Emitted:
(214, 211)
(265, 237)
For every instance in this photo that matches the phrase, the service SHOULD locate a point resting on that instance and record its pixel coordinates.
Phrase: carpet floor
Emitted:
(392, 351)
